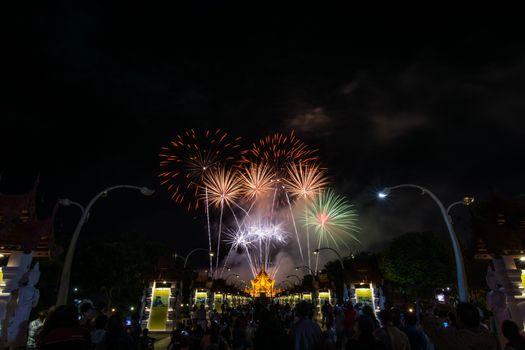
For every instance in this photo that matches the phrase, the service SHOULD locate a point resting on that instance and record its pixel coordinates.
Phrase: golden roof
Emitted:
(262, 285)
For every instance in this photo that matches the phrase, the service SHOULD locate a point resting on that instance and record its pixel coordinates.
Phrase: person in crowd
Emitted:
(367, 315)
(145, 341)
(325, 311)
(391, 337)
(116, 337)
(416, 337)
(305, 334)
(35, 327)
(511, 332)
(214, 342)
(61, 331)
(350, 318)
(202, 319)
(469, 333)
(397, 317)
(239, 337)
(98, 334)
(194, 315)
(184, 343)
(270, 332)
(365, 339)
(87, 314)
(329, 335)
(339, 317)
(175, 338)
(206, 338)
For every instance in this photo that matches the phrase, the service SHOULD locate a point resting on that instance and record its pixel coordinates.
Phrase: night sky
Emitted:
(91, 92)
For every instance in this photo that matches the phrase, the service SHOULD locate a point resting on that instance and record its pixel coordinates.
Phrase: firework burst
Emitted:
(305, 180)
(279, 150)
(257, 180)
(271, 233)
(187, 159)
(236, 239)
(223, 186)
(332, 218)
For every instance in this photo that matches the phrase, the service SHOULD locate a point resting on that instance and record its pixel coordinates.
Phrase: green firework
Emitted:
(332, 218)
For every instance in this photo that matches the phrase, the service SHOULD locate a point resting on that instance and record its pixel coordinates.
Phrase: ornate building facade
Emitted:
(263, 286)
(23, 236)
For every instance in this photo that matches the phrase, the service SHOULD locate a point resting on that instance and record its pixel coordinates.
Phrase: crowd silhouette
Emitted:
(274, 326)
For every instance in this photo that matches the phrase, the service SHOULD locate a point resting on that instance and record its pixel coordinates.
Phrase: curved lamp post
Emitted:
(282, 283)
(336, 253)
(340, 258)
(305, 267)
(63, 289)
(241, 284)
(458, 257)
(298, 279)
(185, 258)
(230, 275)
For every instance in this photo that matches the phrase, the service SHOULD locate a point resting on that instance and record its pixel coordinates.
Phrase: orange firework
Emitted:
(279, 150)
(189, 156)
(257, 180)
(305, 180)
(222, 186)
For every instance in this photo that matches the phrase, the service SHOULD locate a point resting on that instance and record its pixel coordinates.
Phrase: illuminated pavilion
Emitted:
(262, 286)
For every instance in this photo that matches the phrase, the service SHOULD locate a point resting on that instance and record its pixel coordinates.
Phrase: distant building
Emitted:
(262, 286)
(498, 227)
(21, 229)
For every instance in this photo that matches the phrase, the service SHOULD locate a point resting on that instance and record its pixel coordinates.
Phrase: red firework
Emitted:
(279, 150)
(187, 158)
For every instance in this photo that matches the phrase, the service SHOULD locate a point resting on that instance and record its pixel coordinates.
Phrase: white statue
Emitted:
(496, 299)
(380, 298)
(27, 297)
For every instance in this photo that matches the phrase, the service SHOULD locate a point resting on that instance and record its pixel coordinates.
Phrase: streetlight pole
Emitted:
(282, 283)
(63, 289)
(230, 275)
(240, 284)
(460, 266)
(336, 253)
(185, 258)
(196, 250)
(340, 258)
(465, 201)
(305, 267)
(298, 278)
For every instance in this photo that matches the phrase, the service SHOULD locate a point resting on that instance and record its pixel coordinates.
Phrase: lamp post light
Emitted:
(63, 289)
(458, 257)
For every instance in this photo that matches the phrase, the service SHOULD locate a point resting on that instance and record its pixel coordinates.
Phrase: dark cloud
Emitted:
(314, 122)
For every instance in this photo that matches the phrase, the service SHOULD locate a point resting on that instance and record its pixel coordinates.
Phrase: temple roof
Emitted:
(262, 276)
(20, 227)
(262, 285)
